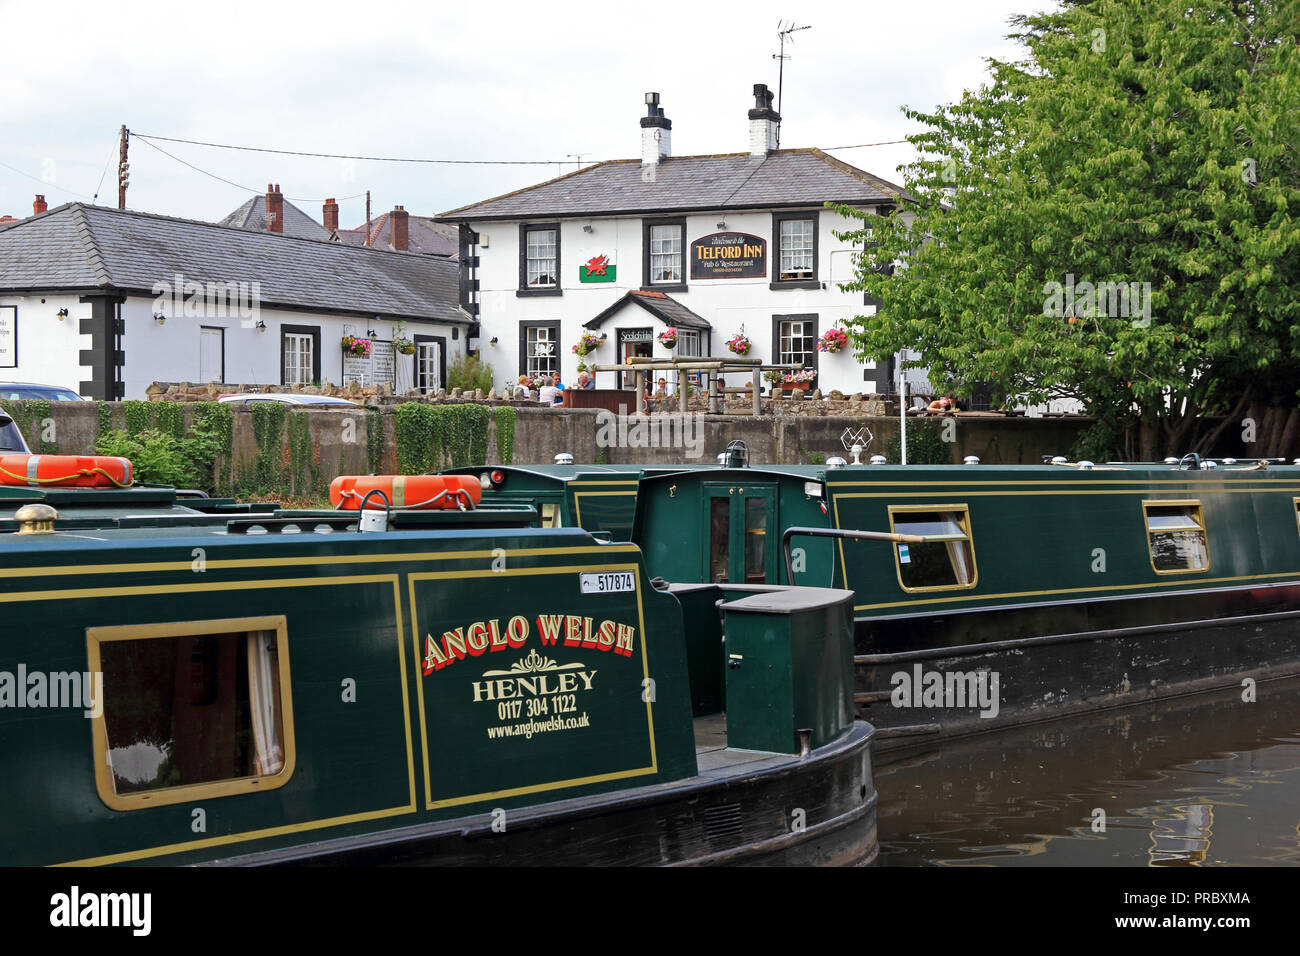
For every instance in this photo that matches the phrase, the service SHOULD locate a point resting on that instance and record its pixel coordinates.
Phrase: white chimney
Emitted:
(656, 137)
(764, 123)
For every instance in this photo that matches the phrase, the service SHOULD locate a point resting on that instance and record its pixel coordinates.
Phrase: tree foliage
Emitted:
(1146, 142)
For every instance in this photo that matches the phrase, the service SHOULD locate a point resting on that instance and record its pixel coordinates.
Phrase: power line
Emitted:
(373, 159)
(227, 181)
(888, 142)
(48, 185)
(112, 149)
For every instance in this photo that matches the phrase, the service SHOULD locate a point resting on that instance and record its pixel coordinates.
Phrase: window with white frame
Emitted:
(541, 350)
(796, 340)
(539, 259)
(688, 343)
(299, 355)
(664, 252)
(795, 236)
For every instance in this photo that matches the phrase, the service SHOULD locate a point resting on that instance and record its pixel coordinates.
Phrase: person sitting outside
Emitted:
(559, 389)
(547, 393)
(585, 381)
(523, 388)
(944, 406)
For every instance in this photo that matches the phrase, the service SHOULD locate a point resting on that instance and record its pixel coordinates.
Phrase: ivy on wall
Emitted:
(505, 422)
(431, 437)
(374, 441)
(32, 416)
(268, 468)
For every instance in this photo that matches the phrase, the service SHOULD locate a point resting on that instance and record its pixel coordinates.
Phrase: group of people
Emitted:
(552, 393)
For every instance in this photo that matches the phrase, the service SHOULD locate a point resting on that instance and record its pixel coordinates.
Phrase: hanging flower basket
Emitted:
(589, 342)
(833, 340)
(739, 344)
(354, 345)
(668, 338)
(404, 346)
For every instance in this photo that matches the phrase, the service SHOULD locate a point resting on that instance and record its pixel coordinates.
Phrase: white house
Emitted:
(712, 245)
(106, 301)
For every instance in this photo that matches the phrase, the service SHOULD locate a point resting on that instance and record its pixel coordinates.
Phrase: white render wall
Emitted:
(48, 349)
(726, 303)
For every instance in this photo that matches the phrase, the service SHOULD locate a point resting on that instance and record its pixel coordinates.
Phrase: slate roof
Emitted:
(424, 235)
(77, 247)
(252, 216)
(663, 307)
(786, 177)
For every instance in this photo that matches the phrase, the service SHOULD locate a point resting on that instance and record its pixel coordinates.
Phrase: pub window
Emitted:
(795, 235)
(539, 344)
(1176, 536)
(664, 244)
(299, 354)
(430, 362)
(191, 710)
(539, 259)
(795, 340)
(946, 560)
(688, 343)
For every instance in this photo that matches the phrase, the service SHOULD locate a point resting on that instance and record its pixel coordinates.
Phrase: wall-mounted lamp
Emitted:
(587, 228)
(62, 314)
(371, 334)
(261, 326)
(160, 318)
(722, 224)
(493, 341)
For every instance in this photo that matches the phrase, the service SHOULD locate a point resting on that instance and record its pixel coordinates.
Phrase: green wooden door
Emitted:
(743, 533)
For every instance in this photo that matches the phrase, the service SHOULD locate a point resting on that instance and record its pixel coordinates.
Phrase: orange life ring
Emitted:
(68, 471)
(406, 491)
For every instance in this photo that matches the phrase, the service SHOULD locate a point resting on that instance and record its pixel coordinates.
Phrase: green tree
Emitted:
(1146, 142)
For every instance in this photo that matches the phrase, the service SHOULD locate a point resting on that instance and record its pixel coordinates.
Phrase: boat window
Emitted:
(550, 514)
(947, 560)
(191, 710)
(1176, 536)
(755, 540)
(719, 538)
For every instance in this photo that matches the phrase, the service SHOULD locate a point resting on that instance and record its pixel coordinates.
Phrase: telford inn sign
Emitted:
(729, 255)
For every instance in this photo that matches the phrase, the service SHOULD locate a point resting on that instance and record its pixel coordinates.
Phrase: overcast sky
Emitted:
(486, 80)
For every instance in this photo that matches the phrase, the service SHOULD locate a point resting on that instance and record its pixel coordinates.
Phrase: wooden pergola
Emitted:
(640, 365)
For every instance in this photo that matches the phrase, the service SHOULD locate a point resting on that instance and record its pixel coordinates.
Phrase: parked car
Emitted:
(11, 439)
(287, 398)
(17, 391)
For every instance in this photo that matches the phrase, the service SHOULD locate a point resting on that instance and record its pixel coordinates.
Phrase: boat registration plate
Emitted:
(606, 582)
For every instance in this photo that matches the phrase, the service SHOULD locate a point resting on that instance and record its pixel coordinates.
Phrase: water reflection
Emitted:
(1202, 781)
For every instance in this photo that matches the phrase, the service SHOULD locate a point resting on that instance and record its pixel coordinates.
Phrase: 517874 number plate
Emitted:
(606, 582)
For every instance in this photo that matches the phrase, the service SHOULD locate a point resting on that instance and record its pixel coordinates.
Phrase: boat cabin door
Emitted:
(743, 533)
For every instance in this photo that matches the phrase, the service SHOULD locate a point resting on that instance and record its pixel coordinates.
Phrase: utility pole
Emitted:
(367, 242)
(783, 30)
(123, 170)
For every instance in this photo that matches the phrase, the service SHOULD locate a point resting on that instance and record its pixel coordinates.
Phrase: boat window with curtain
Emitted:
(192, 713)
(1176, 536)
(946, 559)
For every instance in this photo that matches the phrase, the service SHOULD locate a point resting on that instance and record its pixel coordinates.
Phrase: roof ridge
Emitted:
(81, 224)
(524, 189)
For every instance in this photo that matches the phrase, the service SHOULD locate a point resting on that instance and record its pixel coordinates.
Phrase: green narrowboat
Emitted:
(194, 682)
(992, 595)
(598, 498)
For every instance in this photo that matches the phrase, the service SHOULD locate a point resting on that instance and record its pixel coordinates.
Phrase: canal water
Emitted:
(1209, 780)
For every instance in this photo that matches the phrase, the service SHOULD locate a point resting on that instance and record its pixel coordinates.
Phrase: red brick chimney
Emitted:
(331, 215)
(401, 233)
(39, 206)
(274, 208)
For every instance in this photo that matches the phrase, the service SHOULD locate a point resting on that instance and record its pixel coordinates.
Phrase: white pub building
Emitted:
(715, 246)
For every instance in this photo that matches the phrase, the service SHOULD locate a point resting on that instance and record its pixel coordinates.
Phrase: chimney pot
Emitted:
(39, 205)
(764, 123)
(331, 215)
(656, 137)
(400, 229)
(274, 209)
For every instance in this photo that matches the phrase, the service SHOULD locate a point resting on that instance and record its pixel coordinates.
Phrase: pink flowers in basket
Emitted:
(832, 340)
(355, 345)
(739, 344)
(668, 337)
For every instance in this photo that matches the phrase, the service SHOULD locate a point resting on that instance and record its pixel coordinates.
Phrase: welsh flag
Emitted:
(597, 269)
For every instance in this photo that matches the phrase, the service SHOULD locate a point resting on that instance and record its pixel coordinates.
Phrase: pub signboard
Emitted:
(729, 255)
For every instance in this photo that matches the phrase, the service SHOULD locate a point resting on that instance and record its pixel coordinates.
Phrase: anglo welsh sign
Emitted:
(729, 255)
